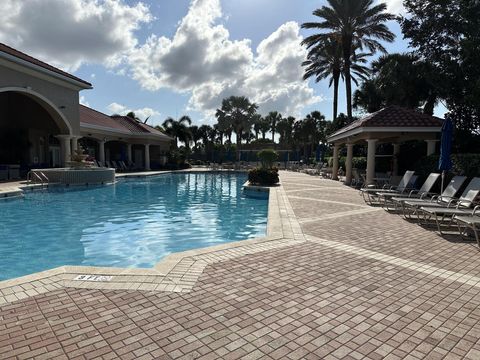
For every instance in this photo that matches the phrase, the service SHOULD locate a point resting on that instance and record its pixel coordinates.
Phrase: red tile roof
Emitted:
(116, 122)
(393, 116)
(18, 54)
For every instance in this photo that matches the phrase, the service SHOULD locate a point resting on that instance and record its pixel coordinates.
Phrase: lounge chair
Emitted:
(410, 206)
(424, 191)
(369, 193)
(462, 206)
(471, 222)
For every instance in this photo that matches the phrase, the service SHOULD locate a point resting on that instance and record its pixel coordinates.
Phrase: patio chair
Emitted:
(369, 193)
(462, 206)
(424, 191)
(123, 165)
(469, 222)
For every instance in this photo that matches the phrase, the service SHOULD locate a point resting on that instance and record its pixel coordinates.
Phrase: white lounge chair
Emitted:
(410, 206)
(369, 193)
(471, 222)
(424, 191)
(464, 205)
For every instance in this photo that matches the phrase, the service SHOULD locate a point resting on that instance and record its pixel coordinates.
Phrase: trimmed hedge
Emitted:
(262, 176)
(463, 164)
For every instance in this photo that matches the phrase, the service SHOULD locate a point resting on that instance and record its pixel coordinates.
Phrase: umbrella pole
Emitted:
(443, 181)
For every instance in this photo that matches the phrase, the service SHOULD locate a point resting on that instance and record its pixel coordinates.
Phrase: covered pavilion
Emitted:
(392, 124)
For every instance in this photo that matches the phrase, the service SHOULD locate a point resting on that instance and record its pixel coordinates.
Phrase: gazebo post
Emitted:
(372, 147)
(336, 148)
(348, 164)
(396, 151)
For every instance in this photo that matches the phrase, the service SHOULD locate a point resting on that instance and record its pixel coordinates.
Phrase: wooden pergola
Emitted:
(393, 124)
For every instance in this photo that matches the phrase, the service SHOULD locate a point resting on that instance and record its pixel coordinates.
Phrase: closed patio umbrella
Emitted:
(445, 161)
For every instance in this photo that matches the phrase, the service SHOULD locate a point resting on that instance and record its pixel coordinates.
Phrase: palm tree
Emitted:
(196, 135)
(264, 127)
(327, 61)
(237, 111)
(355, 24)
(257, 123)
(285, 129)
(178, 129)
(204, 131)
(323, 62)
(273, 118)
(133, 116)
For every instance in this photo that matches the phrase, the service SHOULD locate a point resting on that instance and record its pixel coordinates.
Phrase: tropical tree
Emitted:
(265, 126)
(285, 129)
(273, 118)
(237, 111)
(355, 24)
(256, 124)
(204, 131)
(133, 116)
(196, 135)
(178, 129)
(398, 79)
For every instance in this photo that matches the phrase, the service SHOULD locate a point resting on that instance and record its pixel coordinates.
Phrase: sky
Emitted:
(168, 58)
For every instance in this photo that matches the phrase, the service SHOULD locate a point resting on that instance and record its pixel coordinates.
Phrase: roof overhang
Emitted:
(85, 127)
(366, 130)
(42, 70)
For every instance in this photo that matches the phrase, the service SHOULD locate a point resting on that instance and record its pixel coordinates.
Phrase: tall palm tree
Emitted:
(196, 135)
(285, 129)
(237, 111)
(204, 131)
(327, 61)
(256, 124)
(264, 127)
(355, 24)
(323, 62)
(178, 129)
(273, 118)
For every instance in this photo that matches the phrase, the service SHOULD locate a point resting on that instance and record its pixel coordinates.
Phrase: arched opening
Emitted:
(28, 126)
(90, 146)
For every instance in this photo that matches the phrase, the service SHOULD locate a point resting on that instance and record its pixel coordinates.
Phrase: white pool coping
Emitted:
(177, 272)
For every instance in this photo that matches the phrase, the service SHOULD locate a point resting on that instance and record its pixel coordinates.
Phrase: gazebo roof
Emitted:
(391, 119)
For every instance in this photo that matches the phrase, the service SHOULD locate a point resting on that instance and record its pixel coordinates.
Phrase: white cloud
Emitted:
(68, 33)
(395, 7)
(141, 113)
(83, 101)
(202, 59)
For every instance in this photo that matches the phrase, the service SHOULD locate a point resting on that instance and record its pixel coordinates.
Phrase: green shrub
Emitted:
(263, 176)
(267, 157)
(359, 162)
(463, 164)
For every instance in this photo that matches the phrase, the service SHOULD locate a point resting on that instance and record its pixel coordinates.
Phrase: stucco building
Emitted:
(42, 122)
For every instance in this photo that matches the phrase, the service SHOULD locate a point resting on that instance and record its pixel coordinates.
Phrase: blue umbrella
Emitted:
(445, 162)
(318, 153)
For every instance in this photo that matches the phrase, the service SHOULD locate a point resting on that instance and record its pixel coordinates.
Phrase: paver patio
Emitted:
(365, 284)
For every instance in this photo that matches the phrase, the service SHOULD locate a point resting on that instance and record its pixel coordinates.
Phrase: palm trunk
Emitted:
(348, 78)
(239, 144)
(273, 135)
(336, 80)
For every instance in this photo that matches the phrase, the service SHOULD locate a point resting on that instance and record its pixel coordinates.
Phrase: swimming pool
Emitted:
(134, 223)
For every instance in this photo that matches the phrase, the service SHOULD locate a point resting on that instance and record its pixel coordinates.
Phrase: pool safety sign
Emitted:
(93, 278)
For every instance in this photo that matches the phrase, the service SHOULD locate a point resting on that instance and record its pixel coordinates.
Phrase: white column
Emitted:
(348, 164)
(147, 157)
(396, 151)
(74, 143)
(64, 148)
(431, 144)
(101, 152)
(372, 147)
(129, 153)
(336, 149)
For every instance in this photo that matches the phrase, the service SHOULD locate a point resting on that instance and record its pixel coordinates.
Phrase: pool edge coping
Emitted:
(177, 272)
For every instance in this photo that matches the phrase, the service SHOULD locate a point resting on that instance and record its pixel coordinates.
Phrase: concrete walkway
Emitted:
(365, 285)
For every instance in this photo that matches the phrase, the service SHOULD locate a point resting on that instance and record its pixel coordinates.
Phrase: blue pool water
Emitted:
(134, 223)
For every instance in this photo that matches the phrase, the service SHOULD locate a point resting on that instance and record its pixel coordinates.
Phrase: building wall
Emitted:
(62, 95)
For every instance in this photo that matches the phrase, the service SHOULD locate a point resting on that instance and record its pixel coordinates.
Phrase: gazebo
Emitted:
(392, 124)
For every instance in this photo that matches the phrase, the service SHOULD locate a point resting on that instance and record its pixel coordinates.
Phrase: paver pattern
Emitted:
(364, 285)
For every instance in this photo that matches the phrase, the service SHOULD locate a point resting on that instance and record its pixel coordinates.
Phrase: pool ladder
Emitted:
(34, 177)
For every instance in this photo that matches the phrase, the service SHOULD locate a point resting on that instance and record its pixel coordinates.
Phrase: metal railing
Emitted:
(34, 177)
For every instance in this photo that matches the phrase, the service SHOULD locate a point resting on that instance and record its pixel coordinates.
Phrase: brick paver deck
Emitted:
(365, 285)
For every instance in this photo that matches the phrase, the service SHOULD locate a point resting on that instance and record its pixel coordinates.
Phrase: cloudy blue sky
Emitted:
(165, 58)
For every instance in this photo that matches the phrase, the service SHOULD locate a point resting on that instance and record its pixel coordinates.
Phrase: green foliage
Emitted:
(267, 158)
(261, 176)
(463, 164)
(446, 34)
(358, 162)
(178, 129)
(398, 79)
